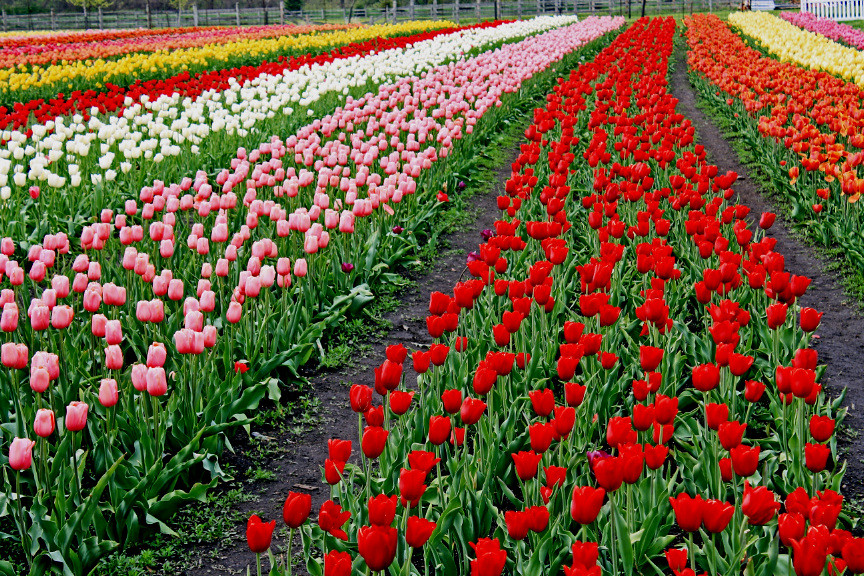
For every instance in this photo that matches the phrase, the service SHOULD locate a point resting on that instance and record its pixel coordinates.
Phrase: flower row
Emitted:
(47, 81)
(60, 53)
(627, 369)
(826, 27)
(18, 39)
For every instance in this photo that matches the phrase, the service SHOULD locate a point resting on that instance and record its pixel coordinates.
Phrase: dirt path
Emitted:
(840, 341)
(299, 469)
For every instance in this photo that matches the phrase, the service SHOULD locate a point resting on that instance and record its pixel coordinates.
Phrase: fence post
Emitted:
(99, 12)
(477, 10)
(4, 20)
(394, 12)
(456, 11)
(411, 10)
(539, 8)
(237, 12)
(434, 9)
(281, 13)
(195, 15)
(53, 20)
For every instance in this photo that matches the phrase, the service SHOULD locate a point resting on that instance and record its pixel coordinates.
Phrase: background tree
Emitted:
(180, 5)
(85, 4)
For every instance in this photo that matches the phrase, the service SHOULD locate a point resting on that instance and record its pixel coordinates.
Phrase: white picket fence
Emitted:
(835, 9)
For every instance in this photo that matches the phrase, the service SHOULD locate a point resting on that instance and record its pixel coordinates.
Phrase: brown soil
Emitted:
(840, 337)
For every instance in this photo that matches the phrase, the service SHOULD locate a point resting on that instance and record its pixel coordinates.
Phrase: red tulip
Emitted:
(526, 464)
(706, 377)
(776, 315)
(689, 511)
(411, 486)
(333, 471)
(382, 509)
(745, 459)
(541, 435)
(452, 400)
(810, 319)
(542, 401)
(731, 434)
(791, 526)
(853, 554)
(585, 555)
(471, 411)
(439, 429)
(716, 414)
(586, 504)
(650, 358)
(716, 515)
(753, 390)
(619, 431)
(418, 532)
(759, 504)
(490, 559)
(374, 441)
(767, 220)
(259, 534)
(296, 509)
(816, 456)
(331, 517)
(377, 546)
(361, 398)
(609, 472)
(517, 524)
(339, 450)
(676, 558)
(810, 553)
(337, 564)
(538, 518)
(821, 428)
(422, 460)
(574, 394)
(655, 455)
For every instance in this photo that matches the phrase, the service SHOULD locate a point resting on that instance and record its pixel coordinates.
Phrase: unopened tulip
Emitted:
(76, 416)
(21, 454)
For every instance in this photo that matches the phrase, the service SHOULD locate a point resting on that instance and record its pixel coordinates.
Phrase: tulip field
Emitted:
(623, 381)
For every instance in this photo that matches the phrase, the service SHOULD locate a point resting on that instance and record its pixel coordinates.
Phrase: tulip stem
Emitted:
(258, 562)
(23, 525)
(288, 558)
(75, 467)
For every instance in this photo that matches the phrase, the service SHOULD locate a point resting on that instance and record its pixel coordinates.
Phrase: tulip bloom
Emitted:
(853, 554)
(759, 504)
(296, 509)
(337, 564)
(259, 534)
(490, 559)
(586, 503)
(471, 411)
(821, 428)
(108, 392)
(716, 515)
(331, 517)
(706, 377)
(377, 546)
(689, 511)
(360, 397)
(374, 441)
(21, 454)
(44, 423)
(418, 532)
(76, 416)
(411, 486)
(526, 464)
(816, 456)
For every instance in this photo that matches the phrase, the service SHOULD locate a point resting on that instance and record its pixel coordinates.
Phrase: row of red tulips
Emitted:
(625, 384)
(808, 127)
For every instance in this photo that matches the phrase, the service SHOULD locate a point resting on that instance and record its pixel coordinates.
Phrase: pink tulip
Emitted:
(94, 271)
(7, 246)
(114, 295)
(21, 454)
(208, 301)
(14, 356)
(92, 300)
(113, 332)
(9, 317)
(60, 284)
(76, 416)
(61, 317)
(194, 321)
(108, 392)
(183, 341)
(234, 312)
(37, 271)
(40, 318)
(175, 290)
(300, 267)
(113, 358)
(50, 362)
(157, 384)
(44, 423)
(252, 287)
(222, 268)
(156, 355)
(157, 311)
(79, 284)
(210, 334)
(39, 379)
(139, 377)
(97, 325)
(142, 311)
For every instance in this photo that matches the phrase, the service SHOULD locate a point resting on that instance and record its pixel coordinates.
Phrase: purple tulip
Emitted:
(347, 267)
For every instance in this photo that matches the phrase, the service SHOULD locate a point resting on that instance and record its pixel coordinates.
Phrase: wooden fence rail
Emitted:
(457, 10)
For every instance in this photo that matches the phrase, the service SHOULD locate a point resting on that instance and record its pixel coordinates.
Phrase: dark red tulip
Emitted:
(377, 546)
(586, 504)
(259, 534)
(725, 465)
(296, 509)
(333, 471)
(853, 554)
(609, 472)
(517, 524)
(541, 435)
(422, 460)
(716, 414)
(374, 441)
(810, 553)
(810, 319)
(776, 315)
(574, 394)
(655, 455)
(676, 558)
